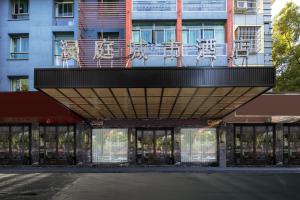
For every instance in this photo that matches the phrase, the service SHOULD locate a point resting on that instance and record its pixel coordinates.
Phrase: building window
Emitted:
(19, 9)
(153, 34)
(242, 6)
(19, 84)
(19, 48)
(252, 34)
(58, 38)
(190, 34)
(64, 8)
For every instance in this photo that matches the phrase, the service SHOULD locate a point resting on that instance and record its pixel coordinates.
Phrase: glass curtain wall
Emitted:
(198, 145)
(254, 145)
(291, 148)
(57, 145)
(14, 145)
(110, 145)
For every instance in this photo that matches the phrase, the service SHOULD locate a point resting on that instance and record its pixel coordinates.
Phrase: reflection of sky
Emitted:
(279, 4)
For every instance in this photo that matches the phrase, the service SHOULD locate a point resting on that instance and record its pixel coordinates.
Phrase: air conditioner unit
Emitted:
(242, 4)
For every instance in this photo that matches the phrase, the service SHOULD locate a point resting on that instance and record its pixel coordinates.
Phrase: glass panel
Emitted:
(136, 36)
(264, 144)
(159, 37)
(16, 143)
(146, 36)
(185, 37)
(238, 144)
(169, 35)
(19, 84)
(148, 146)
(58, 37)
(50, 140)
(62, 136)
(23, 6)
(110, 145)
(160, 150)
(194, 36)
(247, 154)
(285, 144)
(169, 147)
(25, 44)
(220, 36)
(4, 143)
(139, 147)
(26, 143)
(199, 145)
(294, 154)
(208, 34)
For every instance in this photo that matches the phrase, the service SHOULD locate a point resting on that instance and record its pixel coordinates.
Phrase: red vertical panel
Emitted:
(128, 29)
(229, 30)
(179, 29)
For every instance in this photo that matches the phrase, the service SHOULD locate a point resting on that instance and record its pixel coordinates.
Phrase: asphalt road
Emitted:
(146, 186)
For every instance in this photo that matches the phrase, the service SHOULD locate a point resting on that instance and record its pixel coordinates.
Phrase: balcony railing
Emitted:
(204, 5)
(192, 50)
(154, 5)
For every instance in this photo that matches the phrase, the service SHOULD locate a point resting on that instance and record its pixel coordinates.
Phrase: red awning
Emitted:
(30, 107)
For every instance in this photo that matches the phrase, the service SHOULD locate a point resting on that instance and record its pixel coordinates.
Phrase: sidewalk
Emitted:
(145, 169)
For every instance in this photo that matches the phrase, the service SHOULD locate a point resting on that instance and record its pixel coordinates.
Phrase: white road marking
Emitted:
(5, 175)
(28, 181)
(17, 179)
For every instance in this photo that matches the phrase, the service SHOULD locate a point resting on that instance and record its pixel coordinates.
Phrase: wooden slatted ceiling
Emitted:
(158, 103)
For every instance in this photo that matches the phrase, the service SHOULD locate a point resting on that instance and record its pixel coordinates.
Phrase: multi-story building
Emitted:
(139, 82)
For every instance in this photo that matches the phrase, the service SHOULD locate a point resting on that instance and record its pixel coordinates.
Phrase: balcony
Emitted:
(153, 9)
(204, 9)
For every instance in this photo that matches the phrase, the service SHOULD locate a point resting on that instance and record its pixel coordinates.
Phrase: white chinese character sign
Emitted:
(69, 51)
(206, 49)
(241, 50)
(171, 50)
(137, 51)
(104, 49)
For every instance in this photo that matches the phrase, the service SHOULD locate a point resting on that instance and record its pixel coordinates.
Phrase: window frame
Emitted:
(18, 78)
(12, 52)
(57, 42)
(57, 3)
(13, 5)
(201, 30)
(153, 34)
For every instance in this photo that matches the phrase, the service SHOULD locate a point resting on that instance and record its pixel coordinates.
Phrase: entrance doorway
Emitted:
(154, 146)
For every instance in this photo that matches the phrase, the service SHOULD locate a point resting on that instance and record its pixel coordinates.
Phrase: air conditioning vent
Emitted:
(242, 4)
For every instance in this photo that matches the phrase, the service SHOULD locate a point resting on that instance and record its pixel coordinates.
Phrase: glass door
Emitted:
(154, 146)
